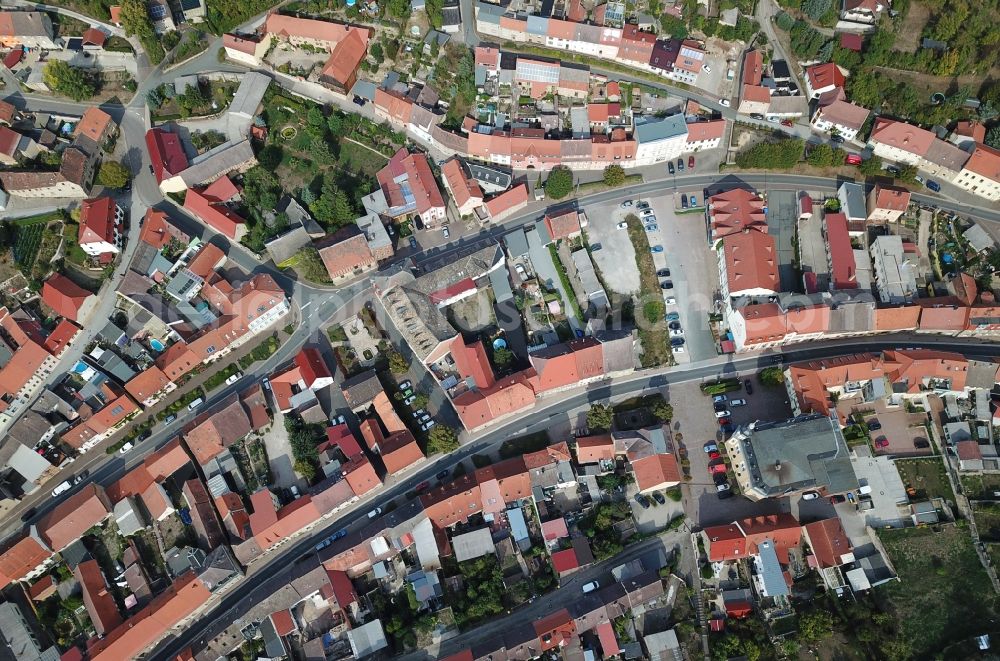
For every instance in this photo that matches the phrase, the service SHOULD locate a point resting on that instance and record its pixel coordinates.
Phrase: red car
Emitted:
(714, 455)
(690, 162)
(787, 122)
(853, 159)
(723, 421)
(717, 469)
(881, 442)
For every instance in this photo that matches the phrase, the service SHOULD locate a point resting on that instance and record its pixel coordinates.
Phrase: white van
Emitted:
(61, 488)
(590, 587)
(195, 404)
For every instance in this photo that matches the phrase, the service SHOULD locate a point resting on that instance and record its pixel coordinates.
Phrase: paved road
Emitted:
(545, 414)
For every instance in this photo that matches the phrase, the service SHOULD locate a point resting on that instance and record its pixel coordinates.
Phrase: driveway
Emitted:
(812, 250)
(279, 454)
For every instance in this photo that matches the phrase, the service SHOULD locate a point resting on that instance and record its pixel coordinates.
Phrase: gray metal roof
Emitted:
(516, 242)
(287, 244)
(770, 570)
(500, 282)
(217, 162)
(538, 25)
(661, 129)
(474, 544)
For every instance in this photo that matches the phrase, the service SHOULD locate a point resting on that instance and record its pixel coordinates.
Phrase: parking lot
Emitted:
(694, 419)
(900, 431)
(616, 258)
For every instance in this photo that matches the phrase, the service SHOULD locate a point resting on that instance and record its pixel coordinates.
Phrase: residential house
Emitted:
(95, 129)
(26, 363)
(661, 140)
(27, 29)
(822, 79)
(100, 226)
(862, 11)
(895, 270)
(887, 203)
(981, 173)
(563, 224)
(748, 265)
(346, 254)
(97, 597)
(23, 559)
(839, 252)
(409, 187)
(463, 189)
(66, 298)
(734, 211)
(74, 516)
(37, 185)
(346, 43)
(839, 118)
(215, 213)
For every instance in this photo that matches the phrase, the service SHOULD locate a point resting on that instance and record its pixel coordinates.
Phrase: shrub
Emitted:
(559, 183)
(614, 176)
(780, 155)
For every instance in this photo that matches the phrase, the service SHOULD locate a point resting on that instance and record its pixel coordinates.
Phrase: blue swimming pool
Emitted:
(156, 345)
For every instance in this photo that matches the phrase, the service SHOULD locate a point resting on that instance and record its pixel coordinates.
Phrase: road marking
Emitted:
(306, 305)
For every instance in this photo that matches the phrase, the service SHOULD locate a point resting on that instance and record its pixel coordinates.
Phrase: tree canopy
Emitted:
(113, 175)
(614, 176)
(67, 80)
(559, 183)
(443, 439)
(135, 20)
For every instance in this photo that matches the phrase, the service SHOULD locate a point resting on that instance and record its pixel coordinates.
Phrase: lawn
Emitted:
(358, 158)
(927, 477)
(653, 326)
(943, 594)
(988, 521)
(979, 487)
(217, 379)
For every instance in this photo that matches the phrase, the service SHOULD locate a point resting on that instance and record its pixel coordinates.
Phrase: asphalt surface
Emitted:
(545, 414)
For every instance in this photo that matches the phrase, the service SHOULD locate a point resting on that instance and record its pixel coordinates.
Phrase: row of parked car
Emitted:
(422, 417)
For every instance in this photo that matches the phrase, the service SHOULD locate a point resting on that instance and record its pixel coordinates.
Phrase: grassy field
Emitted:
(651, 319)
(988, 521)
(927, 476)
(943, 594)
(357, 158)
(981, 487)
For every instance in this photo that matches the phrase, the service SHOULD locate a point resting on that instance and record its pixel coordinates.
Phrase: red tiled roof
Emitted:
(17, 560)
(825, 75)
(735, 210)
(346, 57)
(568, 363)
(564, 561)
(312, 366)
(400, 451)
(64, 296)
(61, 336)
(157, 230)
(462, 188)
(985, 161)
(283, 623)
(418, 175)
(740, 539)
(656, 472)
(346, 251)
(95, 123)
(221, 190)
(592, 449)
(166, 153)
(471, 361)
(147, 383)
(97, 221)
(828, 540)
(901, 135)
(217, 216)
(504, 202)
(97, 598)
(751, 262)
(844, 271)
(753, 68)
(563, 225)
(72, 517)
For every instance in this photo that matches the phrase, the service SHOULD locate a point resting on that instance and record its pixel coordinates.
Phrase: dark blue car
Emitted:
(934, 186)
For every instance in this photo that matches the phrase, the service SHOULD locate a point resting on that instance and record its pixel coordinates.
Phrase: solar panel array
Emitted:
(537, 73)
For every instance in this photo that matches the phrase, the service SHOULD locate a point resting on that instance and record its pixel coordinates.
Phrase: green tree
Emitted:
(815, 626)
(820, 156)
(135, 19)
(441, 438)
(772, 376)
(398, 8)
(600, 418)
(503, 358)
(559, 183)
(664, 412)
(872, 167)
(67, 80)
(113, 175)
(779, 155)
(270, 157)
(306, 469)
(397, 364)
(993, 137)
(673, 26)
(614, 176)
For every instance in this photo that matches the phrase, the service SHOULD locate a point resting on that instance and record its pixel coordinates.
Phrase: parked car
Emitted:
(839, 498)
(670, 300)
(404, 385)
(28, 514)
(428, 425)
(339, 420)
(694, 201)
(756, 115)
(663, 273)
(650, 220)
(658, 497)
(594, 247)
(642, 500)
(652, 228)
(677, 342)
(125, 449)
(195, 404)
(413, 243)
(670, 167)
(674, 325)
(407, 393)
(647, 212)
(677, 333)
(725, 494)
(722, 414)
(707, 68)
(711, 447)
(642, 205)
(656, 249)
(934, 186)
(684, 202)
(874, 424)
(673, 316)
(443, 474)
(170, 418)
(677, 349)
(853, 159)
(718, 469)
(425, 417)
(627, 204)
(723, 421)
(233, 379)
(622, 226)
(738, 402)
(720, 405)
(61, 488)
(444, 230)
(666, 284)
(881, 442)
(839, 139)
(893, 170)
(810, 495)
(375, 512)
(418, 413)
(423, 486)
(590, 587)
(748, 386)
(690, 162)
(409, 400)
(787, 122)
(773, 119)
(359, 102)
(714, 455)
(728, 428)
(718, 398)
(680, 165)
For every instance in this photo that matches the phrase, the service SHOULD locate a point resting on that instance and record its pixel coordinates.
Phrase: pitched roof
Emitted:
(217, 428)
(64, 296)
(656, 471)
(562, 225)
(177, 360)
(20, 558)
(821, 76)
(95, 122)
(891, 198)
(901, 135)
(463, 188)
(564, 561)
(844, 114)
(166, 153)
(844, 272)
(61, 336)
(735, 210)
(564, 364)
(345, 251)
(97, 598)
(147, 383)
(74, 516)
(592, 449)
(751, 262)
(217, 216)
(828, 540)
(399, 451)
(753, 67)
(471, 362)
(985, 161)
(97, 220)
(740, 539)
(346, 56)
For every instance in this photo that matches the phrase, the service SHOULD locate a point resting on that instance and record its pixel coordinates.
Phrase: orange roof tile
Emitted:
(147, 383)
(64, 296)
(592, 449)
(19, 559)
(656, 472)
(471, 361)
(400, 451)
(985, 161)
(563, 225)
(177, 360)
(829, 541)
(751, 262)
(61, 336)
(97, 598)
(901, 135)
(95, 122)
(74, 516)
(900, 318)
(463, 188)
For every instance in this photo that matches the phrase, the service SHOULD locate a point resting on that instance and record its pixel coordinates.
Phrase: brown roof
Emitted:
(563, 225)
(74, 165)
(845, 114)
(751, 262)
(64, 296)
(985, 161)
(20, 558)
(74, 516)
(400, 451)
(345, 251)
(901, 135)
(346, 57)
(19, 181)
(147, 383)
(95, 122)
(177, 360)
(216, 429)
(656, 471)
(828, 540)
(100, 603)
